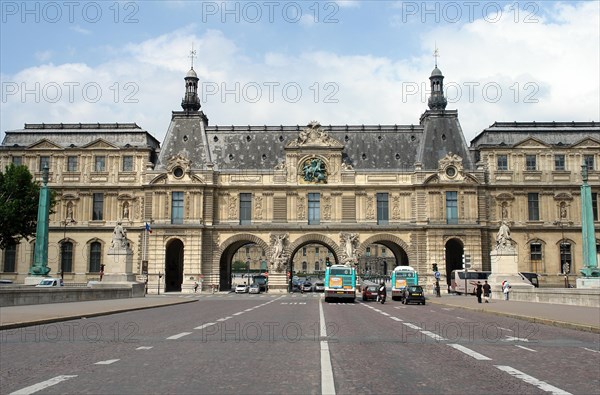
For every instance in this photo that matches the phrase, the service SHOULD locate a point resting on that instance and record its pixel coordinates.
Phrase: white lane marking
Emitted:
(248, 310)
(144, 348)
(470, 352)
(397, 319)
(400, 307)
(238, 313)
(532, 380)
(413, 326)
(505, 329)
(327, 382)
(384, 313)
(40, 386)
(179, 335)
(460, 318)
(433, 335)
(447, 308)
(377, 310)
(107, 362)
(205, 325)
(514, 339)
(224, 319)
(589, 349)
(525, 348)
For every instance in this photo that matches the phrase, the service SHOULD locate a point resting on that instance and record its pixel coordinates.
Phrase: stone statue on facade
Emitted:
(350, 242)
(119, 237)
(503, 239)
(277, 246)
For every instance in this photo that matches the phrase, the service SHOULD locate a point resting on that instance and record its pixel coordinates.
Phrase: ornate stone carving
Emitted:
(314, 170)
(258, 206)
(119, 238)
(278, 256)
(370, 208)
(503, 239)
(327, 207)
(232, 207)
(301, 208)
(314, 135)
(350, 243)
(396, 207)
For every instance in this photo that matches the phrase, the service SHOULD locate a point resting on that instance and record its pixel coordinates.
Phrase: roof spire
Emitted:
(192, 55)
(436, 54)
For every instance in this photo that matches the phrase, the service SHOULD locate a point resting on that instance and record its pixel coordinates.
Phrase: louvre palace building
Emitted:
(290, 198)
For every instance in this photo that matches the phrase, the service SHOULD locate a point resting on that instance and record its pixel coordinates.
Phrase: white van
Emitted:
(51, 282)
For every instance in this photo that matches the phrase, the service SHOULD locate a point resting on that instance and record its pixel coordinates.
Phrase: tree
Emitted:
(239, 266)
(19, 195)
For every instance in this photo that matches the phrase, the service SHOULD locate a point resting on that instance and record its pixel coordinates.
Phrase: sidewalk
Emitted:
(21, 316)
(566, 316)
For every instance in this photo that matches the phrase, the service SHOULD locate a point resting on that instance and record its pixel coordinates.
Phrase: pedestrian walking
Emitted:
(487, 291)
(101, 271)
(195, 286)
(505, 289)
(437, 289)
(479, 291)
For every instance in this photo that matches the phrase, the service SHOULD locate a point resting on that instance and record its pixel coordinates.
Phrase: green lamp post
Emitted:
(40, 258)
(590, 264)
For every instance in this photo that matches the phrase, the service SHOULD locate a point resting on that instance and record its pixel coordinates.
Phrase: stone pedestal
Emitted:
(588, 282)
(278, 283)
(119, 266)
(505, 267)
(33, 280)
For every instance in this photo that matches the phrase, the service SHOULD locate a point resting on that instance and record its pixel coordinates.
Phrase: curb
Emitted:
(23, 324)
(537, 320)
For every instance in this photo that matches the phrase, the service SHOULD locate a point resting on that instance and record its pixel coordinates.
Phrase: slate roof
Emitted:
(122, 135)
(553, 133)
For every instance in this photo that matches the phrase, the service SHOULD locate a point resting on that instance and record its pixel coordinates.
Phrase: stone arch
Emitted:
(396, 245)
(455, 248)
(314, 238)
(225, 251)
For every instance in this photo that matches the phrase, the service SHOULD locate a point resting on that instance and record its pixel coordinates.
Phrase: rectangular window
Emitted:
(72, 163)
(17, 160)
(530, 162)
(44, 161)
(316, 250)
(452, 208)
(535, 251)
(314, 208)
(502, 162)
(128, 163)
(303, 251)
(177, 208)
(98, 207)
(99, 163)
(533, 206)
(595, 206)
(382, 209)
(10, 258)
(245, 208)
(588, 160)
(559, 162)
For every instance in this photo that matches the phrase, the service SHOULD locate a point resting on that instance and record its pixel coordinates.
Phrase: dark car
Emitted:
(369, 292)
(413, 293)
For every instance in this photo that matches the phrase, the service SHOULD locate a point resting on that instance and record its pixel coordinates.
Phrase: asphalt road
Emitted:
(297, 344)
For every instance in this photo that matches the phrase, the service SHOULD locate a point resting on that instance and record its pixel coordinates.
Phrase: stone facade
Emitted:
(418, 191)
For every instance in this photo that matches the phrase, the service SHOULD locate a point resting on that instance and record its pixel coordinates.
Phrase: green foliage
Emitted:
(239, 266)
(19, 195)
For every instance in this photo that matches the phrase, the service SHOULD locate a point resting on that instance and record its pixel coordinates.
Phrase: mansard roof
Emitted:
(123, 135)
(510, 134)
(365, 147)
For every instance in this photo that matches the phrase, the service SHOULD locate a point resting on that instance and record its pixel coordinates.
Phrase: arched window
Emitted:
(10, 258)
(95, 257)
(66, 257)
(304, 266)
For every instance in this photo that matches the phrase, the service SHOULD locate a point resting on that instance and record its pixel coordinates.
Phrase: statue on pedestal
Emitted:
(503, 239)
(119, 237)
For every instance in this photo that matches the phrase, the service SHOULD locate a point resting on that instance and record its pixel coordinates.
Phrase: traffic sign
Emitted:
(437, 275)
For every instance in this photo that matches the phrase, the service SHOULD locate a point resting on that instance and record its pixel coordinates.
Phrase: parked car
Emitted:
(254, 288)
(413, 293)
(51, 282)
(241, 289)
(369, 292)
(307, 287)
(319, 287)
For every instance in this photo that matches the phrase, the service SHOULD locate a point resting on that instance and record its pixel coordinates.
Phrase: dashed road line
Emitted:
(384, 313)
(470, 352)
(327, 381)
(413, 326)
(505, 329)
(44, 384)
(397, 319)
(144, 348)
(205, 325)
(525, 348)
(433, 335)
(179, 335)
(589, 349)
(238, 313)
(460, 318)
(107, 362)
(532, 380)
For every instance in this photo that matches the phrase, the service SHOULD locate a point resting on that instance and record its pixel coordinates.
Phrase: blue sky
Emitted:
(272, 62)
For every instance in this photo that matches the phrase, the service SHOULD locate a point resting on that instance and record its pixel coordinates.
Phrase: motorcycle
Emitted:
(381, 297)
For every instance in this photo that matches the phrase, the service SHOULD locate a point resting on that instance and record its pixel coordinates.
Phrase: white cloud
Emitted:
(144, 81)
(44, 56)
(80, 30)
